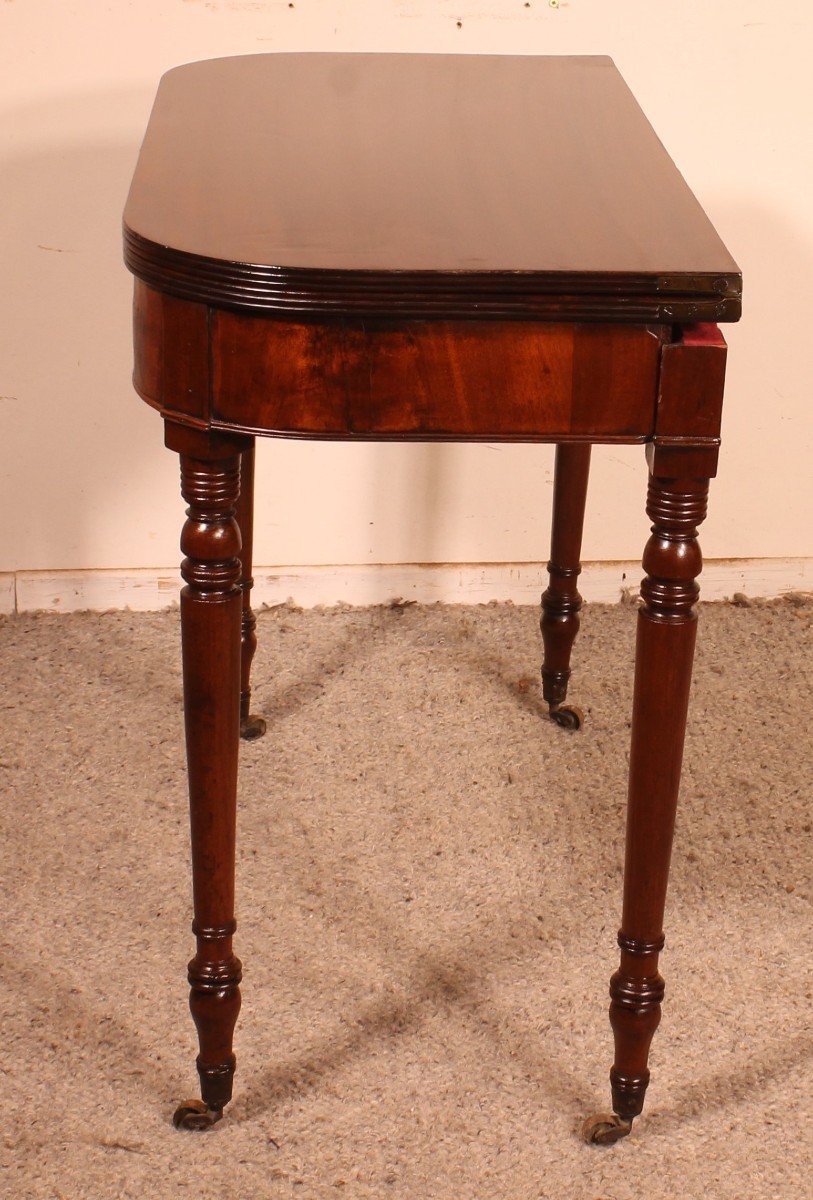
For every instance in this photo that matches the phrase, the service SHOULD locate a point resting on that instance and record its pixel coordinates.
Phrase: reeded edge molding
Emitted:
(520, 295)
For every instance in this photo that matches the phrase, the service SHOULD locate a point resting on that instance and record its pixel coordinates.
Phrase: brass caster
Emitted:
(605, 1128)
(195, 1114)
(252, 728)
(567, 716)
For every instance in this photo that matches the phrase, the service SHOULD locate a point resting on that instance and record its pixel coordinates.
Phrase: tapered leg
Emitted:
(251, 727)
(665, 648)
(561, 601)
(210, 624)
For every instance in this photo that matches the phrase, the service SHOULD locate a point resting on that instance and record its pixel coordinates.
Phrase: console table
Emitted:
(424, 247)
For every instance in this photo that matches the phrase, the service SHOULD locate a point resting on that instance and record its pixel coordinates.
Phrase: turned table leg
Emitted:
(251, 727)
(210, 625)
(561, 601)
(667, 623)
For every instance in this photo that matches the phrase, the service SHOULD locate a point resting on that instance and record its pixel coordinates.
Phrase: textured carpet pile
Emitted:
(429, 880)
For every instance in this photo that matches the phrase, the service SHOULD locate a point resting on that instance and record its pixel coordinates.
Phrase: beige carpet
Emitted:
(429, 887)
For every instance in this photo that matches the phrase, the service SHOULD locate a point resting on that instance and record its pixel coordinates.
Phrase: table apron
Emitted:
(412, 380)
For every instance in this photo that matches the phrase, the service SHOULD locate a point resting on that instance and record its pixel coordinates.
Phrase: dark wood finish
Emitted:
(419, 185)
(667, 624)
(682, 457)
(171, 350)
(211, 605)
(419, 380)
(423, 380)
(251, 726)
(690, 397)
(561, 602)
(404, 247)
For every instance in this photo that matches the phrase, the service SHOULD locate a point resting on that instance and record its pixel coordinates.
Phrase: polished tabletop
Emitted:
(524, 186)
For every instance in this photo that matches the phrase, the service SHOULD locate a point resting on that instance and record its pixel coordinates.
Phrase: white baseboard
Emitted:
(8, 594)
(148, 590)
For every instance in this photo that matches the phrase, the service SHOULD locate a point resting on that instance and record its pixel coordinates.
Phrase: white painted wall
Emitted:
(84, 480)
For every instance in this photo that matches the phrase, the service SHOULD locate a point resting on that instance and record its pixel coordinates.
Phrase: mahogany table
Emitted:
(424, 247)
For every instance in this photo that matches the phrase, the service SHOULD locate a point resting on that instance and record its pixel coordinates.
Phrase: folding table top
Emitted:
(421, 186)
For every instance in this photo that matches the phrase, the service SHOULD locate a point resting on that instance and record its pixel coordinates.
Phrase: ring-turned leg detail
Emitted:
(211, 630)
(561, 602)
(251, 727)
(667, 623)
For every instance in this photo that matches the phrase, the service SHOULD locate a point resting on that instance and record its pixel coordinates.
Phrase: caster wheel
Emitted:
(252, 728)
(605, 1128)
(567, 716)
(194, 1114)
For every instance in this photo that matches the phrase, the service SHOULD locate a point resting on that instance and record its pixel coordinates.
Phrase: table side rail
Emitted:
(405, 380)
